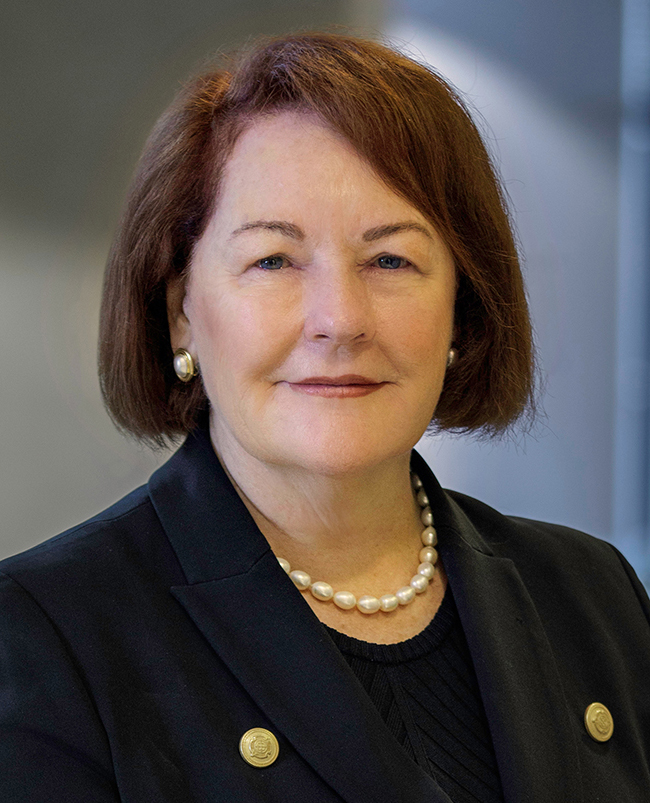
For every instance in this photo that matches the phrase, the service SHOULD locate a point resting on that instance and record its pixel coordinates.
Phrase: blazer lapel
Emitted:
(257, 622)
(520, 684)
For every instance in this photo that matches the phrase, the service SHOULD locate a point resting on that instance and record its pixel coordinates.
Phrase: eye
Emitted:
(271, 263)
(391, 262)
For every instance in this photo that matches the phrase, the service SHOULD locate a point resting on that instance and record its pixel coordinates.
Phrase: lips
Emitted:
(346, 379)
(341, 387)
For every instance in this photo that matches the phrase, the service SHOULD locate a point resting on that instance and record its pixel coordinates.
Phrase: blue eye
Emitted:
(391, 262)
(271, 263)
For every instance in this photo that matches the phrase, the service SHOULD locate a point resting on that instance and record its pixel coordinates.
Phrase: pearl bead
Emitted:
(322, 591)
(426, 569)
(419, 582)
(426, 516)
(388, 602)
(345, 600)
(368, 604)
(423, 499)
(301, 579)
(285, 564)
(405, 595)
(416, 482)
(428, 554)
(181, 366)
(429, 536)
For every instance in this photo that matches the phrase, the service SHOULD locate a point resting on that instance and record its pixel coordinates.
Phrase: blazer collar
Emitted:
(258, 623)
(208, 525)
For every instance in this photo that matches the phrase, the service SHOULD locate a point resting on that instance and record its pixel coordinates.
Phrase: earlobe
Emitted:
(180, 330)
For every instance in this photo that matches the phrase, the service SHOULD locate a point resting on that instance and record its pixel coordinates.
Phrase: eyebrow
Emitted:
(281, 226)
(296, 233)
(394, 228)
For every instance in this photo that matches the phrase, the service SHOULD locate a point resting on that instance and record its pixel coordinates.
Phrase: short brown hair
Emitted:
(416, 133)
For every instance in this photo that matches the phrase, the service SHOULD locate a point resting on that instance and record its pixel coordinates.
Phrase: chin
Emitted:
(341, 454)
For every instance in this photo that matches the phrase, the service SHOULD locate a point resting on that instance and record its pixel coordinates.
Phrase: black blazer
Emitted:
(137, 648)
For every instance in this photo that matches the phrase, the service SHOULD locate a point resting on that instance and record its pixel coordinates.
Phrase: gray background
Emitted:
(82, 85)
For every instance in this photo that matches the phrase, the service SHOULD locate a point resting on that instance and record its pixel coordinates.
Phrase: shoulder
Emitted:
(553, 556)
(501, 532)
(114, 546)
(95, 533)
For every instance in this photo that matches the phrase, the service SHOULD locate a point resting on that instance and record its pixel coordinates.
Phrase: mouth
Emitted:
(347, 386)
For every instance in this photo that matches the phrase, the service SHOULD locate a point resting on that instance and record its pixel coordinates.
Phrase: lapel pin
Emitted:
(259, 747)
(599, 722)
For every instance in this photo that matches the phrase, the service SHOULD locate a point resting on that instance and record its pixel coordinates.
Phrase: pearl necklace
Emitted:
(388, 602)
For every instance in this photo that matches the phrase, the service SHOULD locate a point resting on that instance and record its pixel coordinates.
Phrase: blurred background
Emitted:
(562, 93)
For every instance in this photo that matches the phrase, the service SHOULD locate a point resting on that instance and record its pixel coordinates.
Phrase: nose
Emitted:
(338, 308)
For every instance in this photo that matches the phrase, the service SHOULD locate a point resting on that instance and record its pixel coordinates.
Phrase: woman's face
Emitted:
(319, 305)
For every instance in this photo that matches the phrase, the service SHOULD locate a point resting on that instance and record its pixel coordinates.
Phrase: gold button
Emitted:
(599, 722)
(259, 747)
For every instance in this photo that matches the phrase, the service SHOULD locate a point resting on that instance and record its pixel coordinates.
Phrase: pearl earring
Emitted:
(184, 365)
(452, 356)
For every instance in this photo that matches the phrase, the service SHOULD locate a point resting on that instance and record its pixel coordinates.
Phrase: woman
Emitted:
(314, 266)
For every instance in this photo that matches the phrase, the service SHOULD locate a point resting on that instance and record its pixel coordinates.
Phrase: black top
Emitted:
(426, 691)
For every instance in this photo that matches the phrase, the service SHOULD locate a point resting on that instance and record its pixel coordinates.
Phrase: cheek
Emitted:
(422, 333)
(240, 335)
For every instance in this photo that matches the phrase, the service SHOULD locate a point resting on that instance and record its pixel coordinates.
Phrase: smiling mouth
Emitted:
(348, 386)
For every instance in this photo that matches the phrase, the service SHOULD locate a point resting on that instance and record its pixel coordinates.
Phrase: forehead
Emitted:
(292, 161)
(284, 133)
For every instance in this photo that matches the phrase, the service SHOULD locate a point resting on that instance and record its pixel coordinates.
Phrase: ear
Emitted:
(180, 330)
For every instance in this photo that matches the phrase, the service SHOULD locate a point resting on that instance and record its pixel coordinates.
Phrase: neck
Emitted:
(358, 526)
